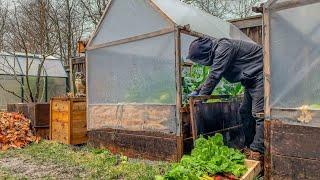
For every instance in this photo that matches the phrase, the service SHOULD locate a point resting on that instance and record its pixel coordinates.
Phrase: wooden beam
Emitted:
(192, 117)
(266, 63)
(255, 21)
(192, 33)
(291, 4)
(131, 39)
(178, 67)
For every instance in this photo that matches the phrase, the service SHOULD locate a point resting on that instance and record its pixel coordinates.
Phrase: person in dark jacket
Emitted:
(236, 61)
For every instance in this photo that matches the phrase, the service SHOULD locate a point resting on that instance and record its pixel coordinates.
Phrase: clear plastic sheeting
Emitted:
(32, 82)
(183, 14)
(14, 70)
(119, 25)
(56, 87)
(295, 57)
(31, 64)
(11, 85)
(9, 65)
(136, 72)
(185, 43)
(54, 68)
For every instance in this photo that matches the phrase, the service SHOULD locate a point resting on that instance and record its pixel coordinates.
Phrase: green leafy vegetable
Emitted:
(197, 76)
(209, 157)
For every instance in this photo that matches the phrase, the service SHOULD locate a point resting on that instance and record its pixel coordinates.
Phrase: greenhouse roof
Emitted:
(144, 17)
(183, 14)
(17, 63)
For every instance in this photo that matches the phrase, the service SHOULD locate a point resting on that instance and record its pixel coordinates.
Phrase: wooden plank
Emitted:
(132, 39)
(295, 141)
(267, 157)
(192, 118)
(42, 114)
(136, 144)
(291, 4)
(70, 122)
(179, 105)
(249, 22)
(266, 63)
(59, 132)
(60, 116)
(284, 167)
(60, 106)
(254, 169)
(79, 106)
(134, 117)
(79, 116)
(190, 32)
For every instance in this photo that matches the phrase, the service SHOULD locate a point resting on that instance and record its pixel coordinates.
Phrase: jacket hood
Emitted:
(201, 51)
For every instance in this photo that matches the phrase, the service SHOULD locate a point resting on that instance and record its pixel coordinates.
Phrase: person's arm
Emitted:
(221, 61)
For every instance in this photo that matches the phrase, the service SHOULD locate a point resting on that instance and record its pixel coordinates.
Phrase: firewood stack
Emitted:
(15, 131)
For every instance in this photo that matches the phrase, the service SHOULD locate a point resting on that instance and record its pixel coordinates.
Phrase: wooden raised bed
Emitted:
(292, 151)
(68, 122)
(38, 113)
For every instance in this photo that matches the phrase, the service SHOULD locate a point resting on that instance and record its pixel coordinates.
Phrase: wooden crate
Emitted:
(68, 122)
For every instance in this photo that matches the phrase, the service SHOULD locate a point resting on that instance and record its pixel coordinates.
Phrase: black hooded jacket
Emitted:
(235, 60)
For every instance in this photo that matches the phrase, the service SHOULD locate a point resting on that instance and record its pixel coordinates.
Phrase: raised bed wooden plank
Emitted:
(284, 167)
(295, 141)
(254, 169)
(137, 144)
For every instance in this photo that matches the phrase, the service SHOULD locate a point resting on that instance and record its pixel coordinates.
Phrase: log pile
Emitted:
(15, 131)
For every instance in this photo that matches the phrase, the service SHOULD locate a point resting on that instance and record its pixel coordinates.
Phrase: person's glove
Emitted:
(194, 93)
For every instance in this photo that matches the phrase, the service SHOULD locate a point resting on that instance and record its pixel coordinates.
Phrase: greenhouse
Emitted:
(135, 63)
(13, 71)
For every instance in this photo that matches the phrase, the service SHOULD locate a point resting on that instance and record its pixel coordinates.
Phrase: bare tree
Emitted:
(218, 8)
(94, 9)
(68, 18)
(243, 8)
(3, 21)
(31, 32)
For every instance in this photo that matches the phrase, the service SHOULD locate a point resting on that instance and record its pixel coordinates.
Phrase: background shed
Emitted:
(13, 72)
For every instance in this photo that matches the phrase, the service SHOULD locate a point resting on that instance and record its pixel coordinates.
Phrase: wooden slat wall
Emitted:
(293, 151)
(251, 26)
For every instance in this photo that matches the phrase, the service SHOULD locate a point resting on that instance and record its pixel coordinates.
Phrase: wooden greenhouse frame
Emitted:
(173, 144)
(292, 149)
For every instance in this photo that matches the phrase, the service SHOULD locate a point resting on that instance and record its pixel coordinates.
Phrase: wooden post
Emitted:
(177, 36)
(193, 123)
(266, 63)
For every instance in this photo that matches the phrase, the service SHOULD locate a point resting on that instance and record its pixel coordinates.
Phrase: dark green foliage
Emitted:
(209, 157)
(197, 76)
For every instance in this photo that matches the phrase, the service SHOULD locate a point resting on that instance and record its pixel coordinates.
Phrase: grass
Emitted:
(84, 162)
